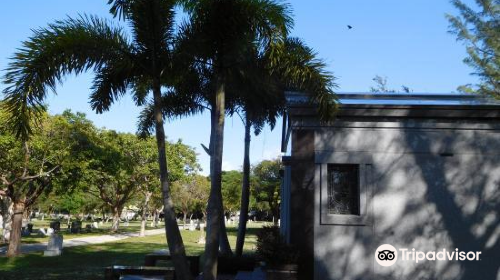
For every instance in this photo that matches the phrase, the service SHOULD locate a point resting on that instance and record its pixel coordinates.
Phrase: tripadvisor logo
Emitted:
(387, 255)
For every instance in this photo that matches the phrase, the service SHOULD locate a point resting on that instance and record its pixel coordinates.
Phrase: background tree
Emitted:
(480, 32)
(201, 194)
(231, 190)
(381, 86)
(28, 168)
(268, 182)
(190, 194)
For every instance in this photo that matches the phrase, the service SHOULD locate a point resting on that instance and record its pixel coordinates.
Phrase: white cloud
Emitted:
(227, 166)
(271, 153)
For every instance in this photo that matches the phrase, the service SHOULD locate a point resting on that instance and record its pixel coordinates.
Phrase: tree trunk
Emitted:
(184, 217)
(15, 234)
(156, 218)
(224, 246)
(245, 192)
(6, 208)
(174, 238)
(144, 214)
(117, 211)
(214, 208)
(276, 215)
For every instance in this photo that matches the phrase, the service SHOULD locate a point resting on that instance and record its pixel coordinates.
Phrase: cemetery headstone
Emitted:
(192, 226)
(56, 226)
(25, 231)
(55, 245)
(76, 227)
(30, 228)
(88, 228)
(42, 232)
(95, 225)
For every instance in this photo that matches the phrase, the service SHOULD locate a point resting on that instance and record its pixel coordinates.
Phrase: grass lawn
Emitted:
(88, 262)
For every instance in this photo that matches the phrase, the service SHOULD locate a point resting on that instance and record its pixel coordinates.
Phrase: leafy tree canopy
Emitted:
(479, 30)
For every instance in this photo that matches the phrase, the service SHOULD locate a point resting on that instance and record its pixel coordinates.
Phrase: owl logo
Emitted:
(386, 255)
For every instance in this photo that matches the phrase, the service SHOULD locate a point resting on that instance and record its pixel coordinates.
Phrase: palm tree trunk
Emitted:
(15, 234)
(174, 238)
(224, 246)
(214, 208)
(144, 214)
(245, 192)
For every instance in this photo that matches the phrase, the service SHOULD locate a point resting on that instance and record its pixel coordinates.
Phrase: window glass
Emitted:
(343, 189)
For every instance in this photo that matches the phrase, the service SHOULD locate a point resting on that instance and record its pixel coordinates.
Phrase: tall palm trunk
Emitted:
(245, 192)
(144, 215)
(15, 234)
(224, 246)
(174, 239)
(214, 208)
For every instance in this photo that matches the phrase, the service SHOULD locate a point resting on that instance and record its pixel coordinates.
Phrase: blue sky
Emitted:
(406, 41)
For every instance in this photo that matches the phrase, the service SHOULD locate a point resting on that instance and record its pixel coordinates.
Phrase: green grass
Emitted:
(88, 262)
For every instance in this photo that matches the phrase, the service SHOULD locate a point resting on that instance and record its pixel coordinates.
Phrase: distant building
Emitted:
(416, 171)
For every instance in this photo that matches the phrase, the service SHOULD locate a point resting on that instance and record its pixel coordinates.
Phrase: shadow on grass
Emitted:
(88, 262)
(83, 262)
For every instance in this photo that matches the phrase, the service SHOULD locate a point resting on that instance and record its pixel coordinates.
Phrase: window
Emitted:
(343, 189)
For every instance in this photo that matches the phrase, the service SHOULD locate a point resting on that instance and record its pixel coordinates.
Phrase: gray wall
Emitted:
(418, 196)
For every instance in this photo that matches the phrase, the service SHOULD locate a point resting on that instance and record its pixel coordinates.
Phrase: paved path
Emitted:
(79, 241)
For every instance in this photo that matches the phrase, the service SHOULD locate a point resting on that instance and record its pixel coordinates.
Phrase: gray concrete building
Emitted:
(420, 172)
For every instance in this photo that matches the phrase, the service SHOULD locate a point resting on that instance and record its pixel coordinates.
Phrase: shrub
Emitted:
(272, 248)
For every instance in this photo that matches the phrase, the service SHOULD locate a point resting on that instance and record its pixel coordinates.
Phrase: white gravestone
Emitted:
(41, 231)
(192, 226)
(54, 248)
(95, 225)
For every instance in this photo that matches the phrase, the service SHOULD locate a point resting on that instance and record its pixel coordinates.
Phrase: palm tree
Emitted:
(217, 43)
(269, 76)
(223, 32)
(141, 62)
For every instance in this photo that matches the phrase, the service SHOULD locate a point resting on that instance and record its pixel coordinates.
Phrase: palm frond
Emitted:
(174, 105)
(120, 8)
(69, 46)
(110, 83)
(151, 22)
(299, 68)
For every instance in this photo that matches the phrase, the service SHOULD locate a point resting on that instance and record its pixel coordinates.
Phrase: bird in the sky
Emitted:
(348, 26)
